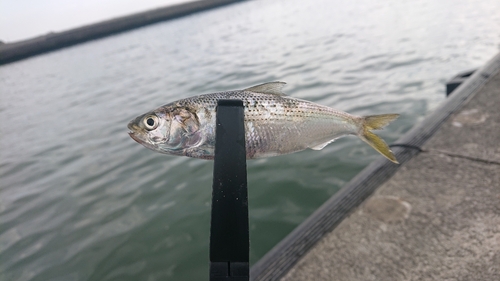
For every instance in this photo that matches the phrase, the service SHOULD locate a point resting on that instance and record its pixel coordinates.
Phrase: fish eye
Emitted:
(150, 122)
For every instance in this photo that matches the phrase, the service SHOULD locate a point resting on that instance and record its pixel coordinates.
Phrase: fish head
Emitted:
(167, 130)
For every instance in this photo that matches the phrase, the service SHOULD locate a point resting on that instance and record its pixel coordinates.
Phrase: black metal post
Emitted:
(229, 234)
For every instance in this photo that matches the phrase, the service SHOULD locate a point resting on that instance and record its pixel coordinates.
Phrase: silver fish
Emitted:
(275, 124)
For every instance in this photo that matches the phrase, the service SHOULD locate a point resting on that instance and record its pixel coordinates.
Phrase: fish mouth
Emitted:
(133, 132)
(134, 137)
(143, 142)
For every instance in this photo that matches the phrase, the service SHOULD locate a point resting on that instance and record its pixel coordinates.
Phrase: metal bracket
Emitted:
(229, 234)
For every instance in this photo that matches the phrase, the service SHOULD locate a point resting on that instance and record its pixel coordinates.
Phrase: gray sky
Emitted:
(23, 19)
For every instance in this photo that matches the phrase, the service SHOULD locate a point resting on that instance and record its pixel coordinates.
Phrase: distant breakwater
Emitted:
(10, 52)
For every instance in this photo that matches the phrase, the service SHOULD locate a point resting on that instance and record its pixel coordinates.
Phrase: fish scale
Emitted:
(275, 124)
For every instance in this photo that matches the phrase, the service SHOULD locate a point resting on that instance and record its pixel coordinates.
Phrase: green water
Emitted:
(80, 200)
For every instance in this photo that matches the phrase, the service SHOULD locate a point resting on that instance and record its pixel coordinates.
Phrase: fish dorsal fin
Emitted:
(272, 88)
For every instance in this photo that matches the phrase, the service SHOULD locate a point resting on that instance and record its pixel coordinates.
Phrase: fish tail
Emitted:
(374, 122)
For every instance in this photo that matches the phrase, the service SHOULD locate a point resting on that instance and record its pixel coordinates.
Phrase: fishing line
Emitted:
(451, 154)
(407, 146)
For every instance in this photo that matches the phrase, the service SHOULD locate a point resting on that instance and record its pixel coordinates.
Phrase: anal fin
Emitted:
(322, 145)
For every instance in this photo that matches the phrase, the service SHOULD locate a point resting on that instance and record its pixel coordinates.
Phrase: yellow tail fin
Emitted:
(374, 122)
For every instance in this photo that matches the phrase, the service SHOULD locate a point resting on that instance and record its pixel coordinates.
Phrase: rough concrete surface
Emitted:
(438, 218)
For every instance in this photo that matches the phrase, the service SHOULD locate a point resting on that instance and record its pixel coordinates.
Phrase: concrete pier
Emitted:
(435, 218)
(11, 52)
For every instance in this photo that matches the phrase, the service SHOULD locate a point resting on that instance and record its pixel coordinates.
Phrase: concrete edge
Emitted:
(11, 52)
(280, 259)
